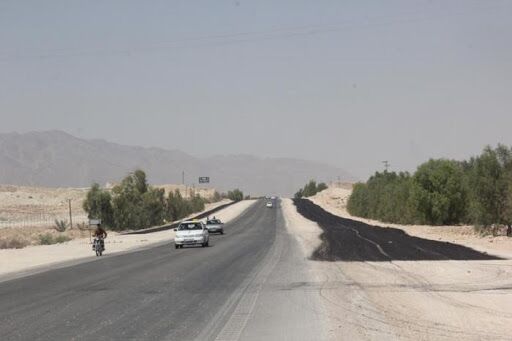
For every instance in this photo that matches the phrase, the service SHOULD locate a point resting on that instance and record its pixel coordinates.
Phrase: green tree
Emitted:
(98, 205)
(310, 189)
(153, 207)
(321, 186)
(197, 204)
(385, 196)
(176, 206)
(236, 195)
(438, 194)
(128, 202)
(490, 180)
(358, 203)
(299, 194)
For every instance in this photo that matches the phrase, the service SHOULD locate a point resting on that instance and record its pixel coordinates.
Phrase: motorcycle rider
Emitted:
(100, 234)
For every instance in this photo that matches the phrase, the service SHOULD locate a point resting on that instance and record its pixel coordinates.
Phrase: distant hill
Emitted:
(57, 159)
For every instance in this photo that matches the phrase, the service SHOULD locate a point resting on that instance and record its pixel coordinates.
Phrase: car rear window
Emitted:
(190, 226)
(213, 222)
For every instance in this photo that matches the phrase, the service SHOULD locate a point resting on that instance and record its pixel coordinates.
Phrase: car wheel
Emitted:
(176, 246)
(222, 232)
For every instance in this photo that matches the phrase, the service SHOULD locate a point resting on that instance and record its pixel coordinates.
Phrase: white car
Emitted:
(191, 233)
(270, 204)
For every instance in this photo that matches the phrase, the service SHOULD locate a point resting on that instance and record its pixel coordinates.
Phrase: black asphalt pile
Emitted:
(350, 240)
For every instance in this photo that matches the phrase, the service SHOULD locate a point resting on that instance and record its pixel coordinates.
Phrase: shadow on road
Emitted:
(349, 240)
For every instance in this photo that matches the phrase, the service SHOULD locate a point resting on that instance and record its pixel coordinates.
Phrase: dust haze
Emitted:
(345, 84)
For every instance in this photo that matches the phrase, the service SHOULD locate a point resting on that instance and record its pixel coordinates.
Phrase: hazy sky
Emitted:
(350, 83)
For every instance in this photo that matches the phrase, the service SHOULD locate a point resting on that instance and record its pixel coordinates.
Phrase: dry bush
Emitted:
(82, 226)
(10, 237)
(493, 230)
(60, 225)
(13, 243)
(48, 239)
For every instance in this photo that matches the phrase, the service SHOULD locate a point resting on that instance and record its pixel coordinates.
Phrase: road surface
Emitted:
(238, 288)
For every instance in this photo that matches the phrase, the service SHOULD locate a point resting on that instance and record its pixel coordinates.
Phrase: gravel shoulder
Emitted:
(405, 299)
(20, 262)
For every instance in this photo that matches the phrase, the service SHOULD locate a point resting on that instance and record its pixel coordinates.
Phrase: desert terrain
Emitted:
(26, 213)
(374, 290)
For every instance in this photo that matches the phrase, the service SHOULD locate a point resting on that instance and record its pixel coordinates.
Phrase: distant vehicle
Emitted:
(270, 204)
(215, 226)
(273, 197)
(191, 233)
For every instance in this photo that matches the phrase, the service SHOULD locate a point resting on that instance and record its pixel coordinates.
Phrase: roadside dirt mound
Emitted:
(348, 240)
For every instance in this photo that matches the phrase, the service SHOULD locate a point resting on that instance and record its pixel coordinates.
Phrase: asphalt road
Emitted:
(238, 288)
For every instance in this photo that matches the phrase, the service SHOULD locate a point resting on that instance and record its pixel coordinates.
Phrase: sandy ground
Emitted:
(408, 300)
(33, 257)
(334, 200)
(22, 206)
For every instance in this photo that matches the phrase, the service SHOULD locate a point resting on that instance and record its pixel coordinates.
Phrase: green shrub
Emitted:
(440, 192)
(310, 189)
(236, 195)
(385, 196)
(46, 239)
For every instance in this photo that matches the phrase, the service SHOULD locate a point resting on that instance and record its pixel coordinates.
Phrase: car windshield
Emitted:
(213, 221)
(190, 226)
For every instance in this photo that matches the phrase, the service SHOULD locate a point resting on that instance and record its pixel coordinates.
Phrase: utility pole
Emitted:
(183, 177)
(70, 215)
(386, 165)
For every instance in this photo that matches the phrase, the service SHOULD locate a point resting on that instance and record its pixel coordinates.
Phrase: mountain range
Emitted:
(58, 159)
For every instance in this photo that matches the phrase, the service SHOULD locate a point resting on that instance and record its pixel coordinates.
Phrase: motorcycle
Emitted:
(98, 246)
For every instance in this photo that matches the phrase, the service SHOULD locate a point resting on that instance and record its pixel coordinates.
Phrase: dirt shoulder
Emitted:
(404, 300)
(32, 258)
(334, 200)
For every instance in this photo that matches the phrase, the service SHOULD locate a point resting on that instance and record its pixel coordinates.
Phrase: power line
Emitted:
(226, 39)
